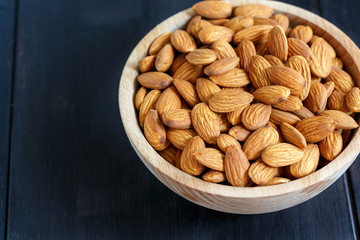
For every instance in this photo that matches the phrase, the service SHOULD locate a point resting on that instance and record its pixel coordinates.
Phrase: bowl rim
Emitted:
(149, 156)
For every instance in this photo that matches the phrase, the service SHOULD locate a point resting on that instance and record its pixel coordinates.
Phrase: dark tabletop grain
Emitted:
(72, 171)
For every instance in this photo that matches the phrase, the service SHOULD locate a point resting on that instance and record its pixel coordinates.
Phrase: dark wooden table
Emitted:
(67, 170)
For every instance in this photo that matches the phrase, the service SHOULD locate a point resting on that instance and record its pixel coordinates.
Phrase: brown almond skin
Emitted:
(353, 99)
(201, 57)
(342, 79)
(212, 9)
(300, 64)
(323, 55)
(177, 118)
(256, 34)
(224, 141)
(234, 117)
(159, 43)
(303, 113)
(165, 58)
(281, 155)
(331, 146)
(330, 86)
(178, 62)
(282, 20)
(211, 34)
(206, 123)
(180, 137)
(293, 136)
(182, 41)
(147, 104)
(139, 97)
(155, 80)
(261, 173)
(147, 64)
(253, 10)
(279, 116)
(245, 50)
(337, 101)
(214, 176)
(298, 47)
(272, 94)
(274, 61)
(188, 91)
(337, 62)
(225, 125)
(189, 72)
(276, 181)
(236, 167)
(233, 78)
(264, 21)
(187, 163)
(316, 100)
(239, 132)
(307, 164)
(302, 32)
(257, 71)
(155, 132)
(169, 99)
(316, 128)
(169, 154)
(259, 140)
(256, 115)
(191, 23)
(198, 26)
(277, 43)
(211, 158)
(229, 100)
(238, 23)
(221, 66)
(205, 88)
(342, 120)
(223, 49)
(292, 103)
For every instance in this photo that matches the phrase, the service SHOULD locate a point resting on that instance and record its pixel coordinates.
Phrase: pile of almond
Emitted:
(241, 97)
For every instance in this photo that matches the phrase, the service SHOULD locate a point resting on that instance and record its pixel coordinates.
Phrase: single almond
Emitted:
(323, 54)
(159, 43)
(214, 176)
(223, 49)
(282, 20)
(229, 100)
(191, 23)
(147, 64)
(353, 99)
(178, 62)
(169, 154)
(177, 118)
(277, 43)
(256, 34)
(337, 62)
(139, 97)
(279, 116)
(187, 91)
(221, 66)
(302, 32)
(342, 120)
(168, 100)
(211, 34)
(281, 154)
(234, 117)
(299, 47)
(300, 64)
(238, 23)
(245, 50)
(272, 94)
(182, 41)
(165, 58)
(303, 113)
(155, 132)
(180, 137)
(219, 22)
(261, 173)
(259, 140)
(330, 86)
(239, 132)
(236, 167)
(276, 181)
(264, 21)
(225, 125)
(256, 115)
(147, 104)
(187, 162)
(233, 78)
(253, 10)
(206, 123)
(205, 88)
(189, 72)
(316, 128)
(201, 57)
(292, 103)
(293, 136)
(281, 139)
(331, 146)
(316, 100)
(212, 9)
(155, 80)
(224, 141)
(257, 71)
(211, 158)
(274, 61)
(308, 163)
(342, 79)
(337, 101)
(262, 48)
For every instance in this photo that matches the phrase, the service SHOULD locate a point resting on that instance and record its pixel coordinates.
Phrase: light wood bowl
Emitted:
(243, 200)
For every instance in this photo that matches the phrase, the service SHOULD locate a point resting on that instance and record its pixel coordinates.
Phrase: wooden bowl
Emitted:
(243, 200)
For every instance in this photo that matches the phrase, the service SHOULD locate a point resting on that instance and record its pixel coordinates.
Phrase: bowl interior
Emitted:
(345, 49)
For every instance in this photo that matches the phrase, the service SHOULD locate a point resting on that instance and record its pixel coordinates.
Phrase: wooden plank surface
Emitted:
(74, 174)
(7, 23)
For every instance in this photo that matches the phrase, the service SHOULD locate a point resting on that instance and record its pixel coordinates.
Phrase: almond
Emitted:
(139, 97)
(169, 154)
(211, 34)
(274, 61)
(238, 23)
(212, 9)
(180, 137)
(219, 22)
(147, 64)
(264, 21)
(239, 132)
(337, 101)
(182, 41)
(168, 100)
(298, 47)
(205, 88)
(245, 50)
(177, 158)
(225, 125)
(313, 38)
(300, 64)
(256, 115)
(187, 163)
(198, 26)
(323, 55)
(316, 128)
(281, 154)
(276, 181)
(165, 58)
(303, 113)
(191, 23)
(189, 72)
(261, 173)
(279, 116)
(336, 62)
(234, 117)
(262, 48)
(159, 43)
(346, 136)
(293, 136)
(272, 94)
(214, 176)
(177, 118)
(342, 120)
(211, 158)
(257, 71)
(206, 123)
(221, 66)
(259, 140)
(201, 57)
(282, 20)
(229, 100)
(147, 104)
(281, 139)
(353, 99)
(253, 10)
(155, 80)
(277, 43)
(302, 32)
(155, 132)
(331, 146)
(187, 91)
(224, 141)
(236, 167)
(223, 49)
(330, 86)
(256, 34)
(233, 78)
(308, 163)
(287, 77)
(316, 100)
(292, 103)
(178, 62)
(342, 79)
